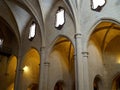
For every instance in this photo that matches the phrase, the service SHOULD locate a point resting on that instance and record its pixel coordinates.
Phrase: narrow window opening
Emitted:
(97, 5)
(32, 31)
(1, 42)
(60, 18)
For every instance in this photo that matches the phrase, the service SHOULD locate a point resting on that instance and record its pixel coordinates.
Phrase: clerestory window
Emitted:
(97, 5)
(60, 18)
(32, 30)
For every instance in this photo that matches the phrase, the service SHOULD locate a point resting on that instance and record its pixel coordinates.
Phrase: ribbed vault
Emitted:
(104, 33)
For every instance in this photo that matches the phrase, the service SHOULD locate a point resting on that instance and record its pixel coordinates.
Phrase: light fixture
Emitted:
(25, 68)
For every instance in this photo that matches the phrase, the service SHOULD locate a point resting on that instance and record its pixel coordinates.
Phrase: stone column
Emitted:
(18, 74)
(85, 70)
(46, 71)
(78, 62)
(42, 59)
(44, 67)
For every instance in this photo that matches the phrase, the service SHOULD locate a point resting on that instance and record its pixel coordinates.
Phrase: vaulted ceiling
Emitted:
(105, 32)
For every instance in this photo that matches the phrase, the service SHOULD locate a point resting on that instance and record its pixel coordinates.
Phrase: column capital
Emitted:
(85, 54)
(77, 35)
(46, 63)
(42, 47)
(20, 70)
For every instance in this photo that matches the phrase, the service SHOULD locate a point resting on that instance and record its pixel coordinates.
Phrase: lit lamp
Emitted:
(25, 68)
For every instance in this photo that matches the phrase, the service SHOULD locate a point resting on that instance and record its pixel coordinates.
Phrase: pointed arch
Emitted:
(30, 68)
(62, 58)
(98, 22)
(27, 6)
(10, 20)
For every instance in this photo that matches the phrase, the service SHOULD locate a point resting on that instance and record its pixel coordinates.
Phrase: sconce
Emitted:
(25, 68)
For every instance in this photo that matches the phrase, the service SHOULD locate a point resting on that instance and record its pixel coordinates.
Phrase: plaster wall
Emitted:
(58, 71)
(95, 64)
(68, 29)
(111, 59)
(89, 18)
(26, 43)
(7, 69)
(30, 75)
(22, 17)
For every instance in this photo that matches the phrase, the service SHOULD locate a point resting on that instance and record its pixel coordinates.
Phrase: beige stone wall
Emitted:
(80, 27)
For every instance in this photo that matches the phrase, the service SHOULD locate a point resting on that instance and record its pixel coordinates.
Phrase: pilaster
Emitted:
(78, 62)
(85, 70)
(42, 59)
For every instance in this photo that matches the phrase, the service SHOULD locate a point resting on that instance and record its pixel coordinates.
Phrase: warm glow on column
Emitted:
(118, 61)
(26, 68)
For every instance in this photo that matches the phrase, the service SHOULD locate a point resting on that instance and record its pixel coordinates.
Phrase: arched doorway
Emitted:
(97, 84)
(59, 85)
(116, 83)
(62, 66)
(30, 74)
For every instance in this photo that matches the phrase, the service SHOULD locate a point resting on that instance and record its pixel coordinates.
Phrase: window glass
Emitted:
(98, 4)
(60, 18)
(32, 31)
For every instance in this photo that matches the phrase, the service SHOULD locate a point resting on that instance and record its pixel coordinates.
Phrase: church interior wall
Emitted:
(57, 48)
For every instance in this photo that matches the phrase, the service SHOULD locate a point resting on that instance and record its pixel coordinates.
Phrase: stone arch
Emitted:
(10, 19)
(95, 24)
(35, 42)
(38, 17)
(8, 54)
(30, 68)
(60, 36)
(62, 65)
(9, 36)
(104, 28)
(103, 48)
(65, 30)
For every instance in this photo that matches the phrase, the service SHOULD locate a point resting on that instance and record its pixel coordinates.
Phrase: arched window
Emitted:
(60, 18)
(97, 5)
(32, 31)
